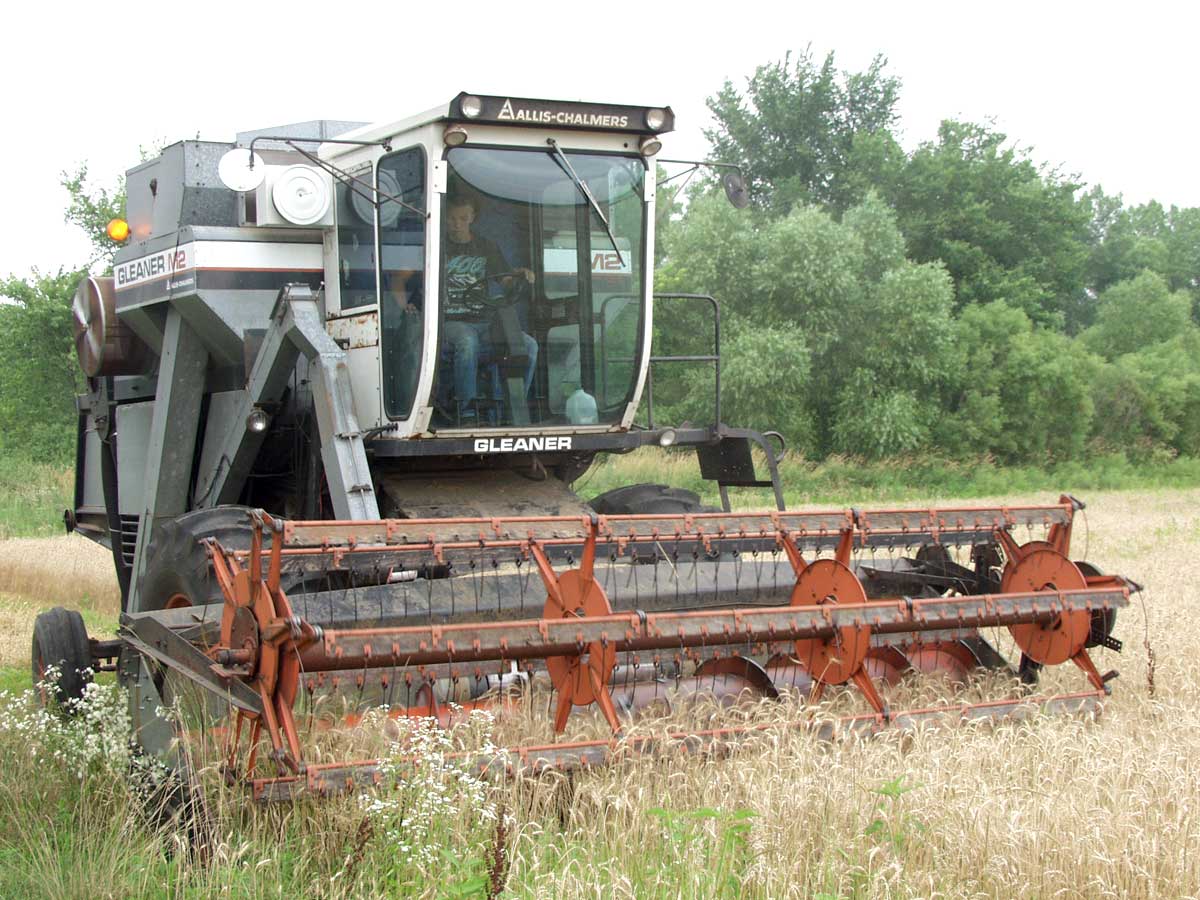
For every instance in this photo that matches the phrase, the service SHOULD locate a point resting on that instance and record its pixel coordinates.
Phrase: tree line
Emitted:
(958, 298)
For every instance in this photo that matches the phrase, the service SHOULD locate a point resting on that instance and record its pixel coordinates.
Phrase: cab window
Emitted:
(401, 183)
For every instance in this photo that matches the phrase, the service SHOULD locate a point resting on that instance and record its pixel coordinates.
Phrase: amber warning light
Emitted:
(118, 230)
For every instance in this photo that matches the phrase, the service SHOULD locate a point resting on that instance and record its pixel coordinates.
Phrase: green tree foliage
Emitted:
(1183, 251)
(810, 274)
(1137, 313)
(92, 208)
(875, 223)
(1005, 229)
(1129, 240)
(1148, 402)
(796, 128)
(765, 376)
(874, 422)
(897, 354)
(935, 292)
(1020, 392)
(1149, 395)
(834, 338)
(713, 249)
(1119, 251)
(39, 375)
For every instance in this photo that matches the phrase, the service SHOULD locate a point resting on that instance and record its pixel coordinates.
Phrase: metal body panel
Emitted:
(296, 328)
(312, 133)
(92, 494)
(221, 422)
(363, 365)
(133, 439)
(179, 187)
(172, 442)
(354, 332)
(224, 288)
(202, 265)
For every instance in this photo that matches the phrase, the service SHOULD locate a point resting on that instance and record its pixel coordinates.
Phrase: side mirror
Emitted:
(735, 188)
(241, 169)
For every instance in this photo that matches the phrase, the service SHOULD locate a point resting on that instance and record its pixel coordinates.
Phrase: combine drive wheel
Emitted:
(178, 572)
(648, 499)
(60, 640)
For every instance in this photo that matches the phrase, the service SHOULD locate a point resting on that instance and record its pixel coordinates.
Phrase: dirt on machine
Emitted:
(340, 385)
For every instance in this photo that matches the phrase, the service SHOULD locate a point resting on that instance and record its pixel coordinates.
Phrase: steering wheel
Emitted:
(512, 291)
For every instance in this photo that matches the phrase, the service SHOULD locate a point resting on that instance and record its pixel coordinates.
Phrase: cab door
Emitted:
(352, 288)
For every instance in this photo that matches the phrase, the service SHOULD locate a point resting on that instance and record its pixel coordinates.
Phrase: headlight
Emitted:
(649, 145)
(455, 136)
(471, 106)
(667, 438)
(257, 421)
(655, 119)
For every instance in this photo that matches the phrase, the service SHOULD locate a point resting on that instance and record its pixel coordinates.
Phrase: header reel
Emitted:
(620, 612)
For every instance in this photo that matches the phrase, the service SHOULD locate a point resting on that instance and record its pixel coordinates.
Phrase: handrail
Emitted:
(714, 357)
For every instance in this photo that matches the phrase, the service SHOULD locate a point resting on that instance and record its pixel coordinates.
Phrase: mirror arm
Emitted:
(734, 180)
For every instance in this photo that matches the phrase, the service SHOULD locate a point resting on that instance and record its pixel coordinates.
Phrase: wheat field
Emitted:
(1053, 807)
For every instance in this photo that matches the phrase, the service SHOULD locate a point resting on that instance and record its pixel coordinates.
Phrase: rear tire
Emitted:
(60, 640)
(649, 499)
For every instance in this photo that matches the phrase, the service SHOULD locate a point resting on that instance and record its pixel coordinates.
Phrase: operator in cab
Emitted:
(481, 293)
(485, 302)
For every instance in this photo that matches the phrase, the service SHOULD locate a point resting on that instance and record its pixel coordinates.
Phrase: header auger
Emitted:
(340, 385)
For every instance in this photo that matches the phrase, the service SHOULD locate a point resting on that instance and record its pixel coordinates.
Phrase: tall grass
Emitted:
(842, 480)
(33, 496)
(1051, 807)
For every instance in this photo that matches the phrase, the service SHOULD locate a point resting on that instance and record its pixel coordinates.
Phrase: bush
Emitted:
(1022, 393)
(1138, 313)
(38, 372)
(765, 384)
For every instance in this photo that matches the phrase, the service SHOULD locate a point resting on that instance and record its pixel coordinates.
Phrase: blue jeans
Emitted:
(469, 343)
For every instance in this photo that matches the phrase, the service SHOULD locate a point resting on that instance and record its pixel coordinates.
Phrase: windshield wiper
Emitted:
(583, 188)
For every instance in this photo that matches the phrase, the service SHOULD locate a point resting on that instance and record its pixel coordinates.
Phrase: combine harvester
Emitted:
(406, 342)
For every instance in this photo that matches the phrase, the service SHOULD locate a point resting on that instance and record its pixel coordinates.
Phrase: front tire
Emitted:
(178, 572)
(648, 499)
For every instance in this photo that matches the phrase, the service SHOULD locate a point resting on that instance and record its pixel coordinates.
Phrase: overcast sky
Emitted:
(1104, 90)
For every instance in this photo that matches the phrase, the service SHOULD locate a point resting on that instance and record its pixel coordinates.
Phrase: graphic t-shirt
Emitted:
(467, 263)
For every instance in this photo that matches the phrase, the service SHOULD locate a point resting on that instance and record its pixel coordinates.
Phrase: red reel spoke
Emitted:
(1065, 635)
(839, 658)
(580, 680)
